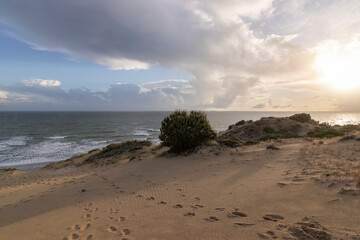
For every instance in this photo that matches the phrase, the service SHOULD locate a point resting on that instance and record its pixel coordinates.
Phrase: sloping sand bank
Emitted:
(305, 190)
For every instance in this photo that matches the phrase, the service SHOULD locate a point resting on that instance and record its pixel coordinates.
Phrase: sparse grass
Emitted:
(325, 132)
(119, 148)
(267, 137)
(230, 142)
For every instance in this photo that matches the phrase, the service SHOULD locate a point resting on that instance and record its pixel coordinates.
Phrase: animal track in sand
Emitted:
(121, 219)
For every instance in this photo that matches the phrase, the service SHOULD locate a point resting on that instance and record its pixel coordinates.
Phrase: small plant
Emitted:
(268, 130)
(230, 142)
(182, 131)
(302, 117)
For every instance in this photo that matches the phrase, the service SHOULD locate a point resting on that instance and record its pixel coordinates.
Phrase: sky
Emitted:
(155, 55)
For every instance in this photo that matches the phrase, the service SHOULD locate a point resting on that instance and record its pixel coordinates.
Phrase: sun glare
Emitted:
(340, 71)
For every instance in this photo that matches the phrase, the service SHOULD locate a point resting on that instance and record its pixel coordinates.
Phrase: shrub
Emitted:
(230, 142)
(326, 133)
(268, 129)
(302, 117)
(182, 131)
(239, 123)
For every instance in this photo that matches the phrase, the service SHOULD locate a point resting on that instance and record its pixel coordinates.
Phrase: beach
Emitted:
(305, 190)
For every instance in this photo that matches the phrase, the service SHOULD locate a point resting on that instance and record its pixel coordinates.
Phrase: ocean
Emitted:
(30, 140)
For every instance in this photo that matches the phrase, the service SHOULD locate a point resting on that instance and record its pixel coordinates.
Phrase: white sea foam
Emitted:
(139, 132)
(57, 137)
(13, 142)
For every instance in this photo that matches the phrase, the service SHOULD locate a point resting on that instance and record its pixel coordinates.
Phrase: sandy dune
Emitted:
(305, 190)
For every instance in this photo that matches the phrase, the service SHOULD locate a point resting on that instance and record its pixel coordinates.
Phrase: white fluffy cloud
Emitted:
(3, 96)
(42, 82)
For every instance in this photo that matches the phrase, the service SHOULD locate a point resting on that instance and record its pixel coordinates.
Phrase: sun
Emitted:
(341, 72)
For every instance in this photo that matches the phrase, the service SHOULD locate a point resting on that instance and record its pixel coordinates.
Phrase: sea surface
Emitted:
(32, 139)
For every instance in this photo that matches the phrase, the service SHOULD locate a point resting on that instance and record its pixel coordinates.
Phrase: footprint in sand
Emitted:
(236, 214)
(126, 231)
(220, 209)
(244, 224)
(121, 219)
(197, 206)
(112, 229)
(86, 216)
(85, 226)
(76, 227)
(150, 198)
(178, 206)
(189, 214)
(162, 202)
(273, 217)
(75, 236)
(211, 219)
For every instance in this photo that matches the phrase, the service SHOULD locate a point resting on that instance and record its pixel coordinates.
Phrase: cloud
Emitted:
(42, 82)
(3, 96)
(158, 96)
(212, 40)
(281, 106)
(260, 105)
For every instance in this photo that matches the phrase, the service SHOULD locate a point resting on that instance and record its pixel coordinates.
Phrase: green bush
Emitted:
(230, 142)
(182, 131)
(268, 130)
(302, 117)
